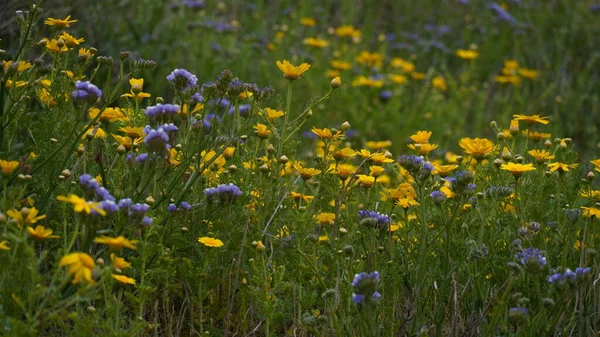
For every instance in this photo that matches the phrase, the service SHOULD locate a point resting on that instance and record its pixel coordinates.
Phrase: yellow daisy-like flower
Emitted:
(110, 115)
(119, 262)
(7, 167)
(407, 67)
(81, 205)
(344, 171)
(80, 265)
(344, 153)
(384, 144)
(591, 212)
(421, 137)
(137, 85)
(23, 65)
(273, 114)
(398, 79)
(210, 242)
(326, 133)
(532, 119)
(70, 40)
(127, 142)
(340, 65)
(424, 148)
(517, 169)
(363, 81)
(366, 181)
(541, 156)
(262, 131)
(536, 136)
(418, 76)
(407, 202)
(59, 23)
(380, 159)
(41, 233)
(476, 147)
(347, 31)
(119, 242)
(290, 71)
(133, 132)
(443, 170)
(306, 173)
(561, 167)
(17, 84)
(314, 42)
(467, 54)
(25, 217)
(531, 74)
(122, 279)
(53, 46)
(299, 196)
(325, 218)
(439, 83)
(308, 22)
(376, 171)
(4, 245)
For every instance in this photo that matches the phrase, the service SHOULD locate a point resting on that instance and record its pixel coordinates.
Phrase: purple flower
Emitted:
(162, 113)
(438, 197)
(86, 92)
(365, 289)
(146, 221)
(157, 140)
(125, 203)
(374, 219)
(182, 80)
(172, 208)
(532, 258)
(139, 208)
(358, 298)
(109, 206)
(185, 206)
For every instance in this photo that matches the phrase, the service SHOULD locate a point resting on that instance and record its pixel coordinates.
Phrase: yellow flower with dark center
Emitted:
(343, 153)
(541, 156)
(80, 265)
(315, 42)
(536, 136)
(424, 148)
(439, 83)
(443, 170)
(95, 133)
(379, 159)
(306, 173)
(7, 167)
(25, 217)
(122, 279)
(41, 233)
(421, 137)
(325, 218)
(340, 65)
(210, 242)
(290, 71)
(476, 147)
(398, 79)
(532, 119)
(119, 262)
(308, 22)
(23, 65)
(262, 131)
(4, 245)
(85, 53)
(119, 242)
(70, 40)
(80, 205)
(591, 212)
(133, 132)
(366, 181)
(517, 169)
(384, 144)
(467, 54)
(344, 171)
(59, 23)
(273, 114)
(531, 74)
(561, 167)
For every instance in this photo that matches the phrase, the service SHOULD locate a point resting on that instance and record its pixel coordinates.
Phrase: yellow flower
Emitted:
(70, 40)
(80, 265)
(41, 233)
(591, 212)
(423, 148)
(467, 54)
(17, 84)
(306, 173)
(133, 132)
(380, 158)
(529, 73)
(8, 167)
(536, 136)
(137, 85)
(561, 167)
(228, 152)
(95, 132)
(299, 196)
(418, 76)
(210, 242)
(314, 42)
(123, 279)
(406, 202)
(290, 71)
(262, 131)
(443, 170)
(343, 153)
(344, 171)
(532, 119)
(273, 114)
(84, 53)
(384, 144)
(119, 262)
(108, 115)
(407, 67)
(421, 137)
(127, 142)
(517, 169)
(308, 22)
(477, 147)
(366, 181)
(376, 171)
(363, 81)
(52, 45)
(119, 242)
(398, 79)
(326, 133)
(325, 218)
(541, 156)
(81, 205)
(340, 65)
(323, 238)
(347, 31)
(504, 79)
(59, 23)
(25, 217)
(23, 65)
(4, 245)
(439, 83)
(368, 59)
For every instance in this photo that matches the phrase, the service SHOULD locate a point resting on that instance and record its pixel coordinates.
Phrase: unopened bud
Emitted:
(150, 200)
(345, 126)
(121, 149)
(159, 100)
(232, 168)
(497, 162)
(459, 159)
(519, 159)
(548, 143)
(66, 173)
(283, 159)
(590, 176)
(500, 136)
(336, 82)
(270, 148)
(100, 261)
(264, 168)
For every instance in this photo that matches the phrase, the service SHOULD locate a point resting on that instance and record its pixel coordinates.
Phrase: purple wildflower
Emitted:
(182, 80)
(86, 92)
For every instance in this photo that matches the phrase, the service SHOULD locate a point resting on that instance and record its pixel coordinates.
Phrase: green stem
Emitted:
(285, 118)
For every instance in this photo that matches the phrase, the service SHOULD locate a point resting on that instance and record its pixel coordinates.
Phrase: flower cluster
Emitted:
(373, 219)
(365, 289)
(226, 193)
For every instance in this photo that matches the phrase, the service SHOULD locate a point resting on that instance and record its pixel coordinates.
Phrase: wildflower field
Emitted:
(299, 168)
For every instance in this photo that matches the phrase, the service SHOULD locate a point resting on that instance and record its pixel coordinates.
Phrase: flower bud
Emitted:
(500, 136)
(345, 126)
(548, 143)
(283, 159)
(497, 162)
(150, 200)
(336, 82)
(590, 176)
